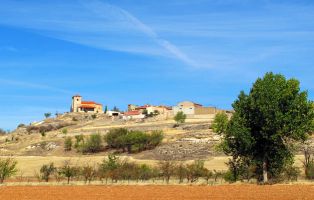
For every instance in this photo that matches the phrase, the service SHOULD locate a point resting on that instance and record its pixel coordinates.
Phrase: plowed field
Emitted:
(243, 192)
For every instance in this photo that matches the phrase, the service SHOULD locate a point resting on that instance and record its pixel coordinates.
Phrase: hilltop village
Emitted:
(190, 109)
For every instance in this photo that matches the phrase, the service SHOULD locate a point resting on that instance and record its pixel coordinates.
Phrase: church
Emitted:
(85, 106)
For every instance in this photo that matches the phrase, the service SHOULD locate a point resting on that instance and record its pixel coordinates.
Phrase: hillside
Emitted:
(189, 141)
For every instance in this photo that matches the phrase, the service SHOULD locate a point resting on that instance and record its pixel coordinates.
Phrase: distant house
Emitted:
(113, 113)
(135, 114)
(191, 108)
(159, 109)
(85, 106)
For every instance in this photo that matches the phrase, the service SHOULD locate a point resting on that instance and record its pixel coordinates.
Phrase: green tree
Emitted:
(220, 123)
(93, 144)
(180, 117)
(106, 109)
(68, 171)
(68, 144)
(7, 168)
(46, 171)
(47, 115)
(266, 123)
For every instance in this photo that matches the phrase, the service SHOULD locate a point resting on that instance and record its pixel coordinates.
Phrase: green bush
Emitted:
(133, 141)
(68, 144)
(7, 168)
(220, 123)
(46, 171)
(180, 117)
(93, 144)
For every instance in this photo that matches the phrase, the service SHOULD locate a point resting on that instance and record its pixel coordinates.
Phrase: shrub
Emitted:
(47, 115)
(79, 141)
(291, 173)
(88, 172)
(181, 172)
(195, 170)
(167, 169)
(46, 171)
(7, 168)
(220, 123)
(64, 131)
(21, 125)
(308, 164)
(94, 116)
(133, 141)
(93, 144)
(180, 117)
(68, 171)
(68, 144)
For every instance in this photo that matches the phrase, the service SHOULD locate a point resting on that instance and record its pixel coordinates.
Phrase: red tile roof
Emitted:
(90, 102)
(87, 106)
(135, 112)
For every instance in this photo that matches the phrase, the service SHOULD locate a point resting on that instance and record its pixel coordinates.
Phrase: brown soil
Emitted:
(243, 192)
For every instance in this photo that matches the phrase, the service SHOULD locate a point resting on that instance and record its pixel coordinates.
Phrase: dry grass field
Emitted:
(243, 192)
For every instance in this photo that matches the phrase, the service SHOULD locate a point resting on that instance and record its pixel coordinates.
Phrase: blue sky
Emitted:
(118, 52)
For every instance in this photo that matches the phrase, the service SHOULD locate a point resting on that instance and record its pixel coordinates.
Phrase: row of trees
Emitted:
(121, 139)
(113, 169)
(133, 141)
(265, 126)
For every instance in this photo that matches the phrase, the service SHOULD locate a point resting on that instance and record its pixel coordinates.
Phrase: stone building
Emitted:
(85, 106)
(191, 108)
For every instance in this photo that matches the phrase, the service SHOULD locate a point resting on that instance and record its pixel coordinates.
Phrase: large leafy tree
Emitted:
(267, 122)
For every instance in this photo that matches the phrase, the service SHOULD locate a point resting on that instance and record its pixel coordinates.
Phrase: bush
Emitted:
(46, 171)
(195, 170)
(180, 117)
(68, 171)
(88, 172)
(68, 144)
(167, 169)
(291, 173)
(64, 131)
(21, 125)
(7, 168)
(308, 165)
(93, 144)
(220, 123)
(133, 141)
(2, 132)
(94, 116)
(79, 141)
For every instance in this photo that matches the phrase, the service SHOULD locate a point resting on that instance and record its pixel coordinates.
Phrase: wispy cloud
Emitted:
(23, 84)
(94, 23)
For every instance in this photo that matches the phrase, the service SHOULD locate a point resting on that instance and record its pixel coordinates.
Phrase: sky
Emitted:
(119, 52)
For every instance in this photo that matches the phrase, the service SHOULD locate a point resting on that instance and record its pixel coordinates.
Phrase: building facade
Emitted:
(85, 106)
(191, 108)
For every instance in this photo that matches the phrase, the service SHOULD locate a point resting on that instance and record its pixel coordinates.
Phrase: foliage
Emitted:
(94, 116)
(47, 115)
(68, 144)
(79, 141)
(220, 123)
(7, 168)
(167, 169)
(93, 144)
(266, 122)
(88, 172)
(180, 117)
(308, 164)
(106, 109)
(64, 131)
(46, 171)
(133, 141)
(195, 170)
(68, 171)
(291, 173)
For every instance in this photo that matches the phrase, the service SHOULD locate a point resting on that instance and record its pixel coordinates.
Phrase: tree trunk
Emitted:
(265, 175)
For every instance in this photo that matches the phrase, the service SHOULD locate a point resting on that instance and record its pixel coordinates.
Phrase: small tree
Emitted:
(64, 131)
(47, 115)
(7, 168)
(46, 171)
(68, 144)
(106, 109)
(88, 172)
(68, 171)
(180, 117)
(220, 123)
(93, 144)
(167, 169)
